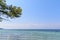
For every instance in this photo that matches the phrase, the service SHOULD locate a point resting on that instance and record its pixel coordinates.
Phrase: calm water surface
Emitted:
(29, 34)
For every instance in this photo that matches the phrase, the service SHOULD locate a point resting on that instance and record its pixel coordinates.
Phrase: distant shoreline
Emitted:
(56, 30)
(1, 28)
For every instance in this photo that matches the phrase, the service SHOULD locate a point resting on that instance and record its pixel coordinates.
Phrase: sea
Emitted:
(30, 34)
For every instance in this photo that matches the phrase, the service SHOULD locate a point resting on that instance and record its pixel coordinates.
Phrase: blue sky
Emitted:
(40, 14)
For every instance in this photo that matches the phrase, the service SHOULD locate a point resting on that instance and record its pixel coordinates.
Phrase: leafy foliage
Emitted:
(9, 10)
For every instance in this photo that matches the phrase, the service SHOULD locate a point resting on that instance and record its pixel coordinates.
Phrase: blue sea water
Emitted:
(35, 34)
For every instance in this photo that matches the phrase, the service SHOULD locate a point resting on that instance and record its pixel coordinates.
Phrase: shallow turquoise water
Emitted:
(29, 35)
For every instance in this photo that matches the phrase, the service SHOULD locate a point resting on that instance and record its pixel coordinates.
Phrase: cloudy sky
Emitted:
(36, 14)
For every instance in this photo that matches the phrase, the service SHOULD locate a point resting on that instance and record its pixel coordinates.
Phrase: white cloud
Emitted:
(28, 25)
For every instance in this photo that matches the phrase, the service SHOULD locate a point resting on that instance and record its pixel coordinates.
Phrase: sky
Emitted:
(36, 14)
